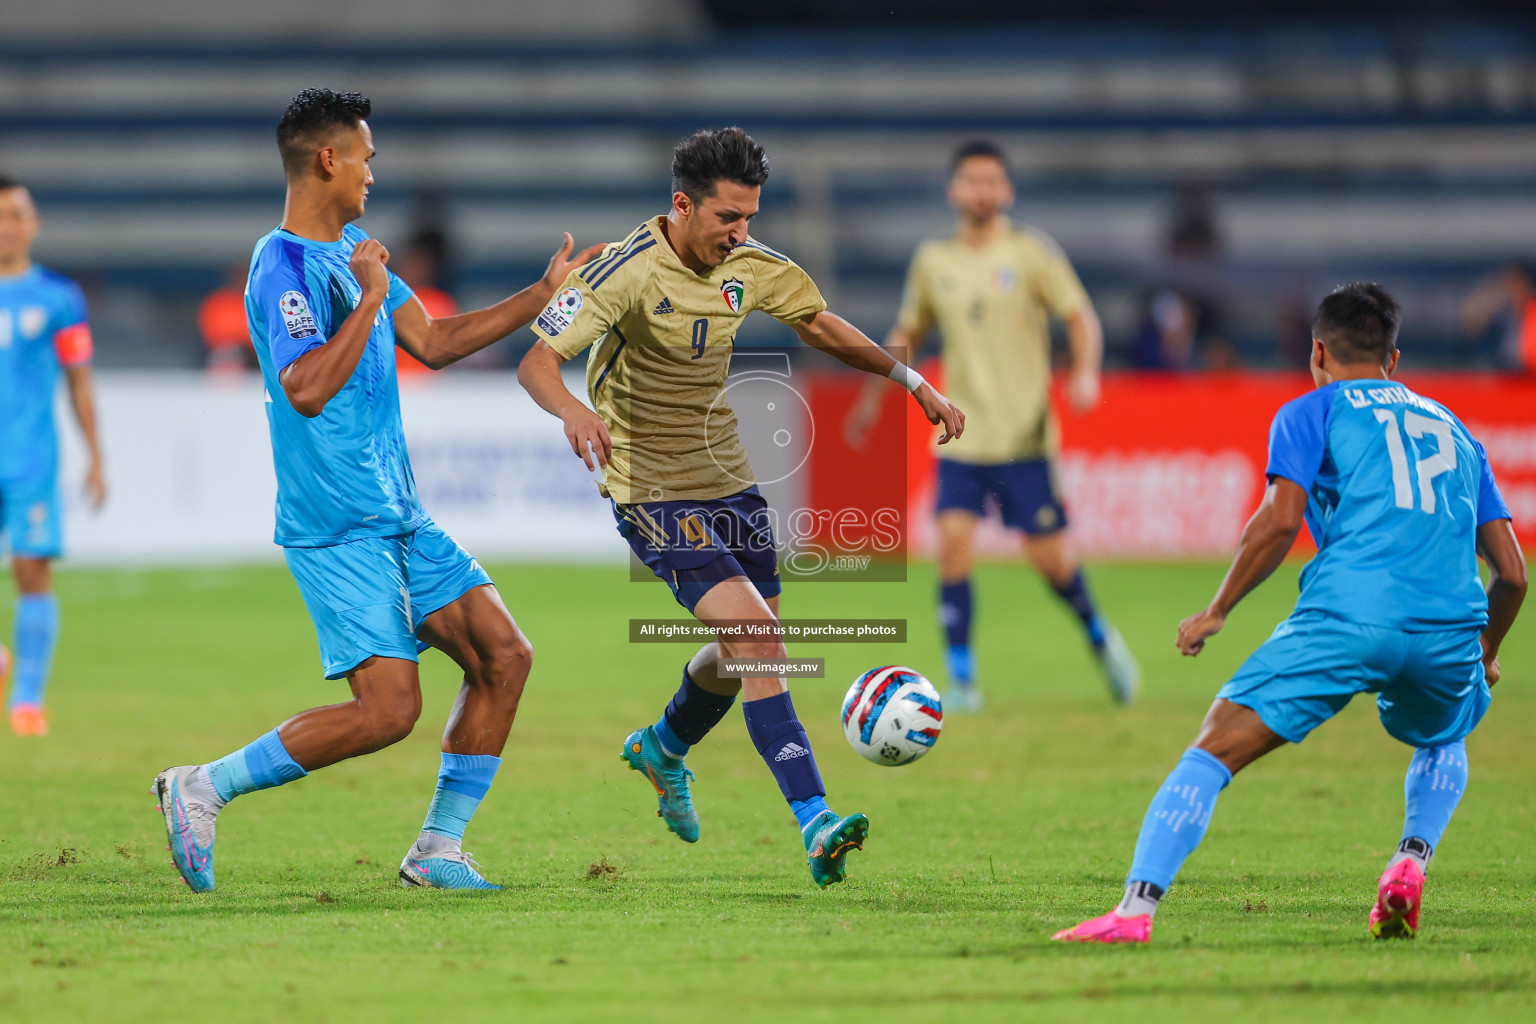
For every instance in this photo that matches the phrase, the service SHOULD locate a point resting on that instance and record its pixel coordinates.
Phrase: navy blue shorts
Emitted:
(693, 545)
(1025, 492)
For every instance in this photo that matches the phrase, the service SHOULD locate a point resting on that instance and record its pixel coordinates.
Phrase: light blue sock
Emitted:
(1437, 776)
(37, 633)
(670, 743)
(806, 811)
(462, 782)
(1177, 819)
(962, 668)
(259, 765)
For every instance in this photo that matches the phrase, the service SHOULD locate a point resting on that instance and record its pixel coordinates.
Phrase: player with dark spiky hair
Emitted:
(1401, 502)
(381, 580)
(660, 312)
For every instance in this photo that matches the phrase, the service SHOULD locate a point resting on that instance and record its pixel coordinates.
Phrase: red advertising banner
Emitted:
(1165, 466)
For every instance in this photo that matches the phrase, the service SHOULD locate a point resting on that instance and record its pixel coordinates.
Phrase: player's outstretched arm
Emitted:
(1085, 341)
(866, 409)
(539, 374)
(445, 340)
(82, 398)
(1270, 533)
(1498, 546)
(314, 378)
(850, 346)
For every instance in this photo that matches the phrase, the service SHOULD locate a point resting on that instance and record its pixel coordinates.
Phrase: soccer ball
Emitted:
(892, 715)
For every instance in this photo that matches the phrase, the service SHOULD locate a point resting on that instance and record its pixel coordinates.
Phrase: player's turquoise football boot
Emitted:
(669, 777)
(828, 839)
(1120, 668)
(441, 869)
(188, 826)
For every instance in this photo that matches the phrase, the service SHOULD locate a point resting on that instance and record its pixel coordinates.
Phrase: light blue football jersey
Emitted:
(1396, 489)
(36, 305)
(344, 474)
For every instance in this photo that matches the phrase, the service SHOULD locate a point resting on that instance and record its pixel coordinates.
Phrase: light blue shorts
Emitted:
(32, 517)
(1430, 688)
(369, 597)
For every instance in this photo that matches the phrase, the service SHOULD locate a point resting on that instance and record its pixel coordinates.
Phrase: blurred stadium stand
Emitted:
(1404, 153)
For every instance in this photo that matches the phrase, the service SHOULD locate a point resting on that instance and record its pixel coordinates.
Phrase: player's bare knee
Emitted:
(1235, 735)
(506, 666)
(391, 721)
(761, 649)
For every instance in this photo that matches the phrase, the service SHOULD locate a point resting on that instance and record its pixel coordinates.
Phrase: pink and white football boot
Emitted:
(1399, 893)
(1110, 928)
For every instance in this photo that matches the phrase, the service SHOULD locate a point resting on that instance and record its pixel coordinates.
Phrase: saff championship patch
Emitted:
(561, 313)
(296, 316)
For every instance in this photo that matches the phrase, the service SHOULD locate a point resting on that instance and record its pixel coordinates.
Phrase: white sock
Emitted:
(200, 788)
(1140, 898)
(435, 844)
(1415, 849)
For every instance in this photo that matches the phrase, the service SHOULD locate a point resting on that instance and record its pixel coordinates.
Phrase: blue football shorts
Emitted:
(692, 545)
(1430, 687)
(32, 516)
(369, 597)
(1026, 492)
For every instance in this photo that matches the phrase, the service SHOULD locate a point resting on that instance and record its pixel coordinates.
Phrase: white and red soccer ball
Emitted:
(892, 715)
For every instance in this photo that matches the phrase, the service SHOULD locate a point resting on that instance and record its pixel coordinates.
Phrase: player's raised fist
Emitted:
(561, 264)
(940, 410)
(367, 265)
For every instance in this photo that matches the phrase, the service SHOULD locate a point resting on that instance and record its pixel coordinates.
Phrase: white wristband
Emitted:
(907, 377)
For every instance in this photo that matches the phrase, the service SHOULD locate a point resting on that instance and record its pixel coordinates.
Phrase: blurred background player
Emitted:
(1401, 502)
(221, 324)
(42, 329)
(991, 290)
(381, 580)
(420, 266)
(660, 311)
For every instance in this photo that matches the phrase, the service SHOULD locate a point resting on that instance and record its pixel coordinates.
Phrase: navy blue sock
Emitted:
(781, 740)
(955, 613)
(955, 617)
(693, 712)
(1076, 595)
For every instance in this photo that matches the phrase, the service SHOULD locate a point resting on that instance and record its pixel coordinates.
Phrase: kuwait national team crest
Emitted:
(733, 290)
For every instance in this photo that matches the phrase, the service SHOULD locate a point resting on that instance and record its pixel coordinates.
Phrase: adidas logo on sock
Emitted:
(662, 307)
(790, 751)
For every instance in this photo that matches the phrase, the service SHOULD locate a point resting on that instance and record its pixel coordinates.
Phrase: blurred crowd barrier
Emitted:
(1165, 467)
(192, 482)
(1209, 186)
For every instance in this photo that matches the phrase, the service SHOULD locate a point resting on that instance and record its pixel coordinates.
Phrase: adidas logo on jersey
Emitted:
(790, 751)
(663, 307)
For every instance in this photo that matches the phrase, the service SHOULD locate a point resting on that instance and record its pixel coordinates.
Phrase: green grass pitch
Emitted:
(1020, 822)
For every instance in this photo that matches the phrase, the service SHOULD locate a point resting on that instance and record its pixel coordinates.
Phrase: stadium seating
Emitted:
(1325, 154)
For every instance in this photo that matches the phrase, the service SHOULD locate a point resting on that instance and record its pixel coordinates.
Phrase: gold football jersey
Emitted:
(661, 339)
(992, 307)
